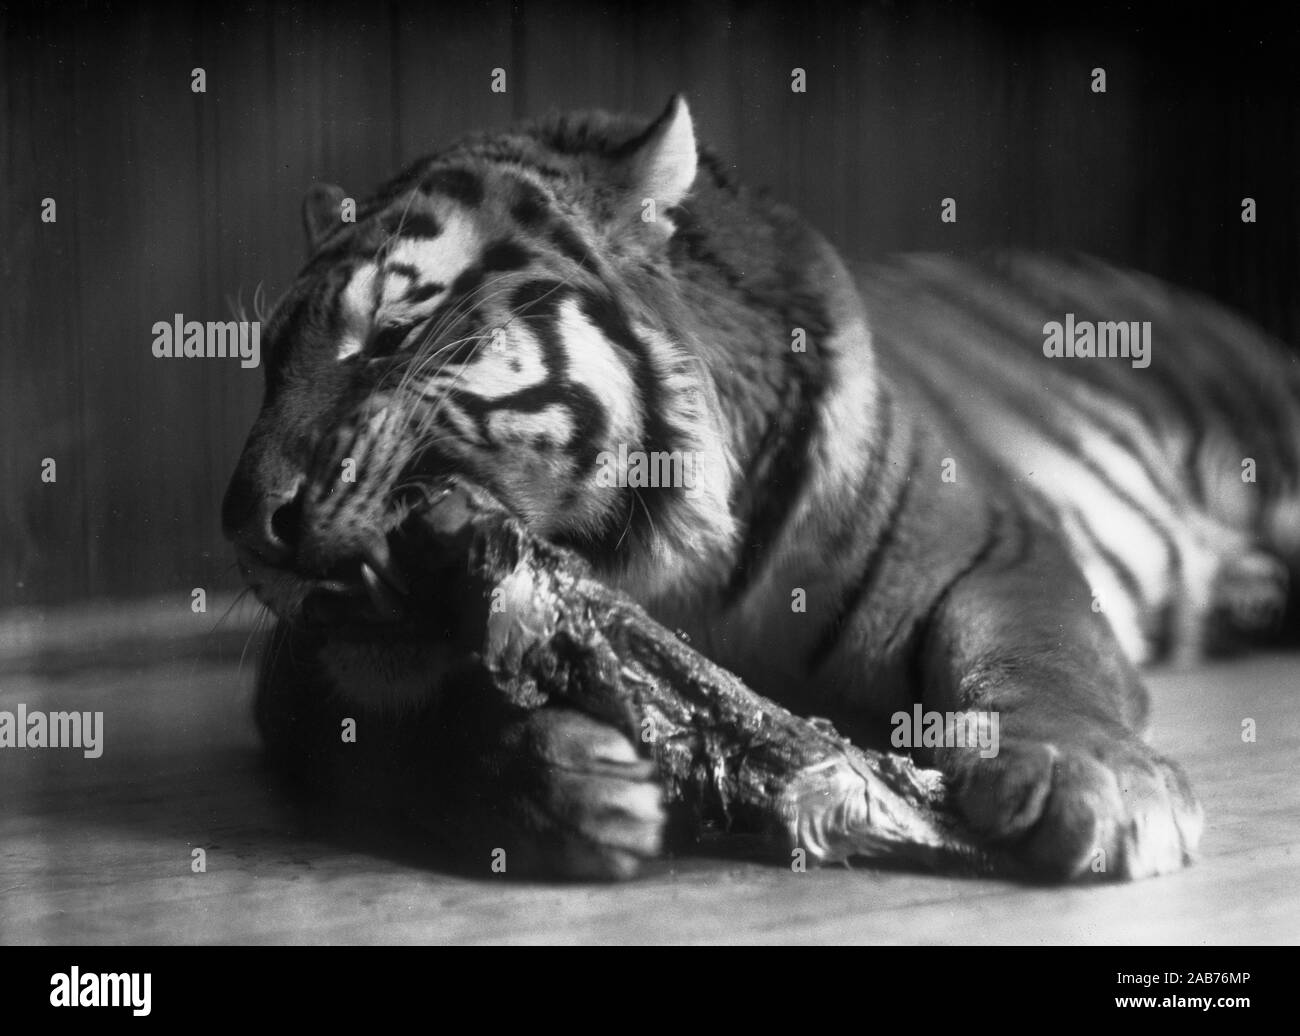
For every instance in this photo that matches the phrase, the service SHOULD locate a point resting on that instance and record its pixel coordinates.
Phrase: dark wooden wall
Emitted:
(175, 202)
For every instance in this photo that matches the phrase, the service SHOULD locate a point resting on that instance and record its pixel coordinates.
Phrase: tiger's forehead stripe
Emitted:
(408, 279)
(407, 224)
(457, 183)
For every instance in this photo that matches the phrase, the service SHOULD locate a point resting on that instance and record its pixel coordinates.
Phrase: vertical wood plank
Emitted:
(44, 524)
(445, 56)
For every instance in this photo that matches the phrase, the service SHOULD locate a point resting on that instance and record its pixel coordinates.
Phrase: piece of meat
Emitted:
(555, 635)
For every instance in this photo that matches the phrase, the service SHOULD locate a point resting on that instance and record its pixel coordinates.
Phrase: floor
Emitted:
(101, 850)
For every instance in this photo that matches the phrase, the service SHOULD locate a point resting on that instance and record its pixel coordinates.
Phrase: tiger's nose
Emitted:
(267, 524)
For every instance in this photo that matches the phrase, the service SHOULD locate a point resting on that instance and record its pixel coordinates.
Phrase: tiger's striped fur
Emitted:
(963, 520)
(1182, 547)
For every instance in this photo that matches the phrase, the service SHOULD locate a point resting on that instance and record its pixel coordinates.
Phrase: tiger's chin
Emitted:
(386, 672)
(393, 660)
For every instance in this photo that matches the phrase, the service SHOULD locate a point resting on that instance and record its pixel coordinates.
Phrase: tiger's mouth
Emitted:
(366, 589)
(385, 583)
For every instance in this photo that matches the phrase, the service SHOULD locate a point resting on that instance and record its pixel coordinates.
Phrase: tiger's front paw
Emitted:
(1105, 806)
(577, 800)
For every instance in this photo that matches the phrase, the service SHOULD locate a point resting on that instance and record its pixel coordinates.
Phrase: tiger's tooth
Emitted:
(381, 596)
(380, 560)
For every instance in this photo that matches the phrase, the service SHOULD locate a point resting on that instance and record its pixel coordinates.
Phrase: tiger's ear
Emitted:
(322, 211)
(659, 166)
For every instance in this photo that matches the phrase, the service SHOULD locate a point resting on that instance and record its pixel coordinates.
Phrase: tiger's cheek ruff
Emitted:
(550, 397)
(659, 403)
(692, 529)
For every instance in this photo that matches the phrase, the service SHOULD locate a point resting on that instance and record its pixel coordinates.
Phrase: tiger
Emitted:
(902, 494)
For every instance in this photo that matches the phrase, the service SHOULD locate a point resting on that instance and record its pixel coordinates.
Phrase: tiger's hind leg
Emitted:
(1249, 601)
(1241, 453)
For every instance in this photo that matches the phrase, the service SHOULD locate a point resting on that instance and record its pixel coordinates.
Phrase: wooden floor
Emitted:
(99, 850)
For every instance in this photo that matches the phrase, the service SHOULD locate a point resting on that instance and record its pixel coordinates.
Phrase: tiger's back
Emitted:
(1173, 475)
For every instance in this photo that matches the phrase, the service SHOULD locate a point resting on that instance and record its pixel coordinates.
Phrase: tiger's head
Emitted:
(503, 312)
